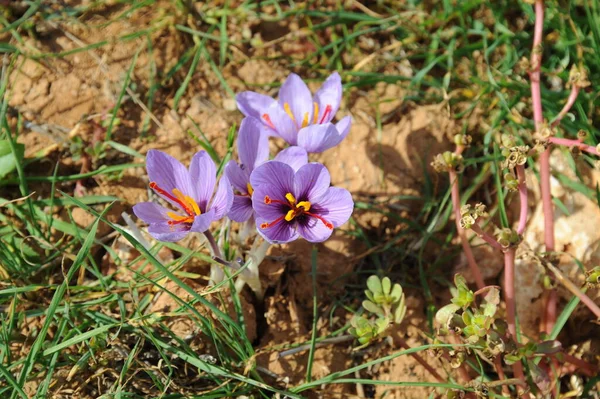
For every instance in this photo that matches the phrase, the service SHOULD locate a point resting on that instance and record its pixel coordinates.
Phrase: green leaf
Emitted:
(8, 160)
(444, 314)
(374, 284)
(400, 312)
(386, 286)
(371, 307)
(396, 293)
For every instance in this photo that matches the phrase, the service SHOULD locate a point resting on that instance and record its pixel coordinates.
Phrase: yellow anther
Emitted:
(176, 217)
(288, 110)
(316, 113)
(291, 199)
(179, 195)
(305, 121)
(249, 188)
(290, 215)
(187, 200)
(304, 205)
(193, 204)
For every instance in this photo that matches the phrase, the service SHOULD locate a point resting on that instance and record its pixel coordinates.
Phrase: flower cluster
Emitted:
(287, 197)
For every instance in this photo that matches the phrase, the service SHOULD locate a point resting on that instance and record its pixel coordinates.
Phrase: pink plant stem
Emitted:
(586, 368)
(509, 297)
(461, 232)
(523, 199)
(570, 101)
(568, 284)
(536, 100)
(501, 375)
(486, 237)
(574, 143)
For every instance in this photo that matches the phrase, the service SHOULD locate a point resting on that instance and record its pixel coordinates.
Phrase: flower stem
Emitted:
(486, 237)
(570, 101)
(588, 369)
(216, 273)
(574, 143)
(461, 232)
(523, 199)
(587, 301)
(536, 100)
(509, 297)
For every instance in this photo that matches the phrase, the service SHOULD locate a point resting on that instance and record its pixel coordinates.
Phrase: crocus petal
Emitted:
(203, 173)
(335, 206)
(296, 94)
(311, 182)
(343, 126)
(253, 143)
(294, 156)
(223, 198)
(277, 176)
(318, 138)
(237, 177)
(241, 209)
(202, 222)
(256, 105)
(272, 211)
(168, 173)
(168, 233)
(330, 94)
(279, 233)
(151, 213)
(313, 230)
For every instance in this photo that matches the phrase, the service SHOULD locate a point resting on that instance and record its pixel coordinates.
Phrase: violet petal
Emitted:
(318, 138)
(280, 233)
(253, 143)
(335, 206)
(311, 182)
(241, 209)
(268, 112)
(203, 174)
(277, 175)
(168, 233)
(223, 199)
(237, 177)
(330, 94)
(296, 94)
(202, 222)
(294, 156)
(313, 230)
(151, 212)
(168, 174)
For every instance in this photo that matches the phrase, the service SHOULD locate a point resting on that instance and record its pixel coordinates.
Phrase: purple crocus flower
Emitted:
(290, 203)
(298, 117)
(253, 150)
(189, 191)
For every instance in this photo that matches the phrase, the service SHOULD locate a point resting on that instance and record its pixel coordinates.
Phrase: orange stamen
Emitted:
(328, 110)
(325, 222)
(270, 201)
(316, 113)
(266, 225)
(267, 119)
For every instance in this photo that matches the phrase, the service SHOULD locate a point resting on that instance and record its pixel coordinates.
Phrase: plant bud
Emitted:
(582, 134)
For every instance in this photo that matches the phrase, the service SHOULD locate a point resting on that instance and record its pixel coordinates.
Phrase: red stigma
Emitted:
(328, 110)
(327, 224)
(267, 119)
(164, 193)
